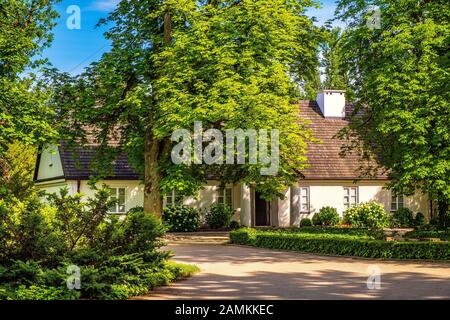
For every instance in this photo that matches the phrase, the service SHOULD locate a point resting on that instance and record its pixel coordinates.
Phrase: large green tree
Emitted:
(335, 75)
(228, 64)
(399, 70)
(24, 115)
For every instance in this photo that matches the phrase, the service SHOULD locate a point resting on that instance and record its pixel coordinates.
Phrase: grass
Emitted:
(182, 270)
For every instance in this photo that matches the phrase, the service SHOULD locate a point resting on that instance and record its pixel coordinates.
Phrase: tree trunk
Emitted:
(443, 212)
(167, 28)
(155, 150)
(153, 202)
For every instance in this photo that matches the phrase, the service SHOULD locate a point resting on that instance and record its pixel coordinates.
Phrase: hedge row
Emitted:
(338, 245)
(443, 235)
(332, 230)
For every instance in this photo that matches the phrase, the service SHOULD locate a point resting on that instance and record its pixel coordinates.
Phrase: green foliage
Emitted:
(403, 217)
(17, 169)
(399, 73)
(219, 216)
(420, 234)
(305, 222)
(419, 219)
(117, 258)
(341, 245)
(26, 231)
(25, 116)
(244, 236)
(238, 74)
(331, 60)
(235, 224)
(327, 216)
(361, 232)
(181, 218)
(77, 221)
(369, 214)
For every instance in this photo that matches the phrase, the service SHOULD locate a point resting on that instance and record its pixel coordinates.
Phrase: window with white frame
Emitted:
(118, 194)
(350, 196)
(304, 199)
(225, 197)
(397, 202)
(173, 198)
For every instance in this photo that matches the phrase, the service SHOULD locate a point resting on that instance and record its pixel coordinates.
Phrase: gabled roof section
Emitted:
(76, 163)
(324, 159)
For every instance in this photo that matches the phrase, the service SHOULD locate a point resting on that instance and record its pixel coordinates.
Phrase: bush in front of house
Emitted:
(403, 218)
(181, 218)
(327, 216)
(367, 215)
(419, 220)
(305, 222)
(341, 245)
(235, 224)
(219, 216)
(41, 245)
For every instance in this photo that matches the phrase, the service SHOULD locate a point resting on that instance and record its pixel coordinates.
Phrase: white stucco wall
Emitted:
(321, 193)
(50, 164)
(208, 195)
(284, 209)
(134, 195)
(331, 193)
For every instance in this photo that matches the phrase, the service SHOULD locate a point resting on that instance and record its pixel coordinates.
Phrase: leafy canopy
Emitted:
(228, 64)
(400, 75)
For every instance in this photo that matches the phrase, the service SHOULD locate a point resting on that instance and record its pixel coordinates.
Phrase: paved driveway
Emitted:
(237, 272)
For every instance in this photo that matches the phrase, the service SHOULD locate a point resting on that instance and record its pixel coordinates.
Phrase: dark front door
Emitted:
(262, 211)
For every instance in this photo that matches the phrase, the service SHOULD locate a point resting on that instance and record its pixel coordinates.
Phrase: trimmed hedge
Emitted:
(331, 230)
(419, 234)
(341, 245)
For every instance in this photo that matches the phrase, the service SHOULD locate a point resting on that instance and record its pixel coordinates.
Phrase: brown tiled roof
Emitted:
(76, 164)
(324, 159)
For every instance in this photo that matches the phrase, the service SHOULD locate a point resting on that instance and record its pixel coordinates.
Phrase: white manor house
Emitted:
(330, 180)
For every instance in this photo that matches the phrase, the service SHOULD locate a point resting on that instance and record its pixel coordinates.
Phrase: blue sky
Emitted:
(73, 50)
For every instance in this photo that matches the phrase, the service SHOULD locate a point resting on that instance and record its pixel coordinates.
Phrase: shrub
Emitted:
(362, 232)
(419, 219)
(244, 236)
(434, 221)
(369, 214)
(219, 216)
(420, 234)
(235, 224)
(339, 245)
(117, 259)
(305, 222)
(403, 217)
(327, 216)
(181, 218)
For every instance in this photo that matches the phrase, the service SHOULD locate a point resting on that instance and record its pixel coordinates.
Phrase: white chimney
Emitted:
(332, 103)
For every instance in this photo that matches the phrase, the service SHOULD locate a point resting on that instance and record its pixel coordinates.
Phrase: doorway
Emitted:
(262, 211)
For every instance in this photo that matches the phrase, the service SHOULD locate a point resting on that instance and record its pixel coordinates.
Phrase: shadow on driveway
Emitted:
(236, 272)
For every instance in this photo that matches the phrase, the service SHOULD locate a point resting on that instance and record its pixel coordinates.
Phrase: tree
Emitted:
(331, 60)
(24, 115)
(18, 169)
(227, 64)
(399, 72)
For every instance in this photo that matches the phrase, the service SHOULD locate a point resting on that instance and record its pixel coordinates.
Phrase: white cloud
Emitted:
(103, 5)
